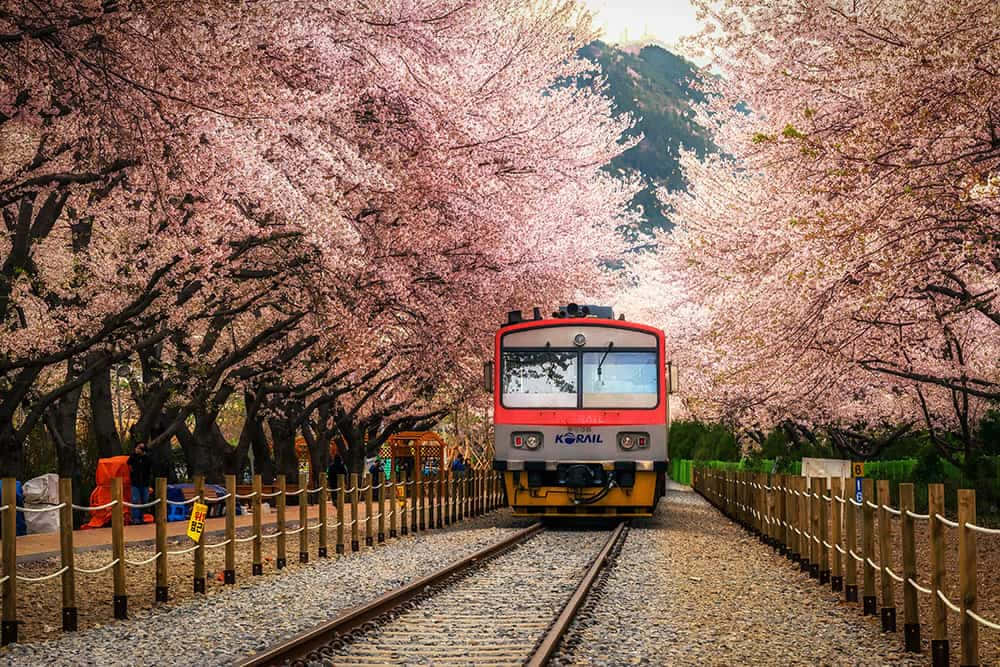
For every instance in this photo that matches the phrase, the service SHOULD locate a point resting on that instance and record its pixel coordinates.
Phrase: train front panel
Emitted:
(580, 409)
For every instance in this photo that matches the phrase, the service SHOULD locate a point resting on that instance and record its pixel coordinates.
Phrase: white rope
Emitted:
(86, 508)
(144, 562)
(856, 557)
(270, 495)
(39, 510)
(294, 493)
(316, 490)
(245, 539)
(4, 580)
(891, 510)
(181, 552)
(141, 505)
(182, 502)
(350, 490)
(980, 529)
(839, 500)
(267, 536)
(364, 488)
(827, 544)
(296, 531)
(47, 576)
(871, 504)
(246, 496)
(217, 499)
(854, 502)
(334, 525)
(315, 526)
(953, 524)
(217, 544)
(983, 621)
(840, 549)
(925, 591)
(893, 575)
(914, 515)
(827, 498)
(872, 563)
(96, 570)
(954, 608)
(815, 539)
(375, 516)
(2, 509)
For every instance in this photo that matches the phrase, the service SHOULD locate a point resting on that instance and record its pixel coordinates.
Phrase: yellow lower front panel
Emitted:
(564, 502)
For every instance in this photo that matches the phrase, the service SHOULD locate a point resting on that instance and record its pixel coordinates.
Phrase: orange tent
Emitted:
(107, 470)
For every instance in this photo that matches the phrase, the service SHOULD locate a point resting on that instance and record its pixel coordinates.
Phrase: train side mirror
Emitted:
(488, 377)
(672, 379)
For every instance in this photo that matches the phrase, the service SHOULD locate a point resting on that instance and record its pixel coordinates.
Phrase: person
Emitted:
(458, 465)
(376, 472)
(337, 467)
(140, 470)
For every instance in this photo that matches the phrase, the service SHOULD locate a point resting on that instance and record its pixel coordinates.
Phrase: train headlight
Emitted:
(630, 441)
(526, 440)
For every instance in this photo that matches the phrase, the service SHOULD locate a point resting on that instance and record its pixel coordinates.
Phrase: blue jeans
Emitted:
(139, 495)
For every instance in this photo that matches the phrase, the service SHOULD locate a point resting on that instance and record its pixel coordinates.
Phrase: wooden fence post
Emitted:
(162, 586)
(816, 546)
(303, 517)
(885, 557)
(939, 641)
(341, 492)
(66, 552)
(355, 541)
(911, 618)
(8, 630)
(382, 488)
(257, 567)
(369, 482)
(393, 503)
(851, 530)
(415, 499)
(404, 515)
(824, 530)
(781, 516)
(837, 506)
(446, 496)
(868, 546)
(431, 483)
(805, 541)
(280, 559)
(324, 516)
(439, 498)
(118, 549)
(967, 576)
(229, 572)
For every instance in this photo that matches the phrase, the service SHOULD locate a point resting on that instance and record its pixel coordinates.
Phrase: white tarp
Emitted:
(825, 468)
(43, 489)
(39, 493)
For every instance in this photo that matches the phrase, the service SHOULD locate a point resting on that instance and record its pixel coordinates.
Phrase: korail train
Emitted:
(581, 413)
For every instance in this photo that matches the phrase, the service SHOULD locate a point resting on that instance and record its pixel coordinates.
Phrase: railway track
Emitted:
(509, 603)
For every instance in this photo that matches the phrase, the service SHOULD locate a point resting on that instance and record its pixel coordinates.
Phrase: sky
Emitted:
(665, 20)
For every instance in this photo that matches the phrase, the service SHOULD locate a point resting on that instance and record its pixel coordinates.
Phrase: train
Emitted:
(580, 413)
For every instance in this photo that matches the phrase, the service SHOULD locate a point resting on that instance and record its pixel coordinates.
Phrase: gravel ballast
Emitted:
(692, 588)
(230, 623)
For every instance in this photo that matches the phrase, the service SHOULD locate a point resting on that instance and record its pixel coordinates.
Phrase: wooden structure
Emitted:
(421, 450)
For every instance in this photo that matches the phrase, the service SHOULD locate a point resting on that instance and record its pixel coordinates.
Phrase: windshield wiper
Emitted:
(601, 363)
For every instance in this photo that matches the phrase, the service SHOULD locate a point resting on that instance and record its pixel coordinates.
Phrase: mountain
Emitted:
(655, 86)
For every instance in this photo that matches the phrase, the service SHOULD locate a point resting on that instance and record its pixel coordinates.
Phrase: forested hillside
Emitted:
(655, 86)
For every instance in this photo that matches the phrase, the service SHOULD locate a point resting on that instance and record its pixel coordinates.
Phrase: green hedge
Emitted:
(680, 469)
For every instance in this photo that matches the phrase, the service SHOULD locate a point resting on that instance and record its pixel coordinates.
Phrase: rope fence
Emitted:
(815, 523)
(407, 505)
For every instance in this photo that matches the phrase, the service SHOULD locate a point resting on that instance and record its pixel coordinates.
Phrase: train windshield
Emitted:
(620, 379)
(539, 379)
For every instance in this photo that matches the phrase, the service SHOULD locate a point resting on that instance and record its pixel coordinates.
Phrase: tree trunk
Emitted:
(103, 415)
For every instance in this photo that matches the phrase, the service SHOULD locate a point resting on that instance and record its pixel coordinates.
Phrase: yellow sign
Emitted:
(858, 469)
(197, 523)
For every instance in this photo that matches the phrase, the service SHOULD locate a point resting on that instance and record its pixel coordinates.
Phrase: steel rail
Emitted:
(550, 642)
(304, 643)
